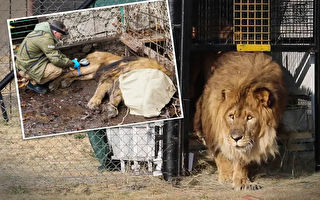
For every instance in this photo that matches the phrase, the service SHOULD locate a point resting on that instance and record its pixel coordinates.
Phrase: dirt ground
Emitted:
(202, 187)
(63, 167)
(64, 110)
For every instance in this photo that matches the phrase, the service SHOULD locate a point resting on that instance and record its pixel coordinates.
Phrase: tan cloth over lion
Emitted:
(146, 91)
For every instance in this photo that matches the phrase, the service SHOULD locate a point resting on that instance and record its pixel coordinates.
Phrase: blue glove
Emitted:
(76, 65)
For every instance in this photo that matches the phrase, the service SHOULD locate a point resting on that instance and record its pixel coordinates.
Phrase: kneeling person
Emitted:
(38, 60)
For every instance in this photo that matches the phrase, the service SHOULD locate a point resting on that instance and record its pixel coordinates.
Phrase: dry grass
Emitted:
(63, 167)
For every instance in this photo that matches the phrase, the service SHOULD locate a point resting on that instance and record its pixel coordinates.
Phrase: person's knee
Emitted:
(56, 72)
(59, 71)
(53, 71)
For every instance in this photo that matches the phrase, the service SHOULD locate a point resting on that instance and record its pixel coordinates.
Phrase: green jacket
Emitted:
(37, 50)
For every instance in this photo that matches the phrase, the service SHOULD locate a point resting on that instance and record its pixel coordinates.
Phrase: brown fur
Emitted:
(108, 77)
(239, 112)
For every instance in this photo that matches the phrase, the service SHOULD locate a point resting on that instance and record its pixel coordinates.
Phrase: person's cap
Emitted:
(58, 26)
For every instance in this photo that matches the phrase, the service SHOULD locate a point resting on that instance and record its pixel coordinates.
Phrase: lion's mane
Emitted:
(237, 77)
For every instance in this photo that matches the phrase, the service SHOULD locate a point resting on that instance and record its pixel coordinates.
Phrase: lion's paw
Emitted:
(66, 82)
(93, 103)
(111, 111)
(248, 186)
(224, 179)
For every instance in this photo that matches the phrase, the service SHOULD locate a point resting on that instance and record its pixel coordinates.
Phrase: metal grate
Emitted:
(251, 22)
(212, 21)
(274, 22)
(292, 22)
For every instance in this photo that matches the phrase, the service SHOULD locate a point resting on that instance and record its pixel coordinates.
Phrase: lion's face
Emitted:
(241, 106)
(243, 123)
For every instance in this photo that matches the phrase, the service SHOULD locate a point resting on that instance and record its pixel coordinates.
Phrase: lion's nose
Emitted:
(236, 135)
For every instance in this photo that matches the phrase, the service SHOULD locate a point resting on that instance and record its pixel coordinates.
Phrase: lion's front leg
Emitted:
(66, 79)
(115, 98)
(101, 91)
(241, 180)
(56, 83)
(225, 168)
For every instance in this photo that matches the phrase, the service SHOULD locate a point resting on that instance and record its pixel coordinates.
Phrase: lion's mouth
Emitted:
(243, 147)
(238, 146)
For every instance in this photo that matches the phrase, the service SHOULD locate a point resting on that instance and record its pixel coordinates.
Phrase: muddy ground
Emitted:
(64, 110)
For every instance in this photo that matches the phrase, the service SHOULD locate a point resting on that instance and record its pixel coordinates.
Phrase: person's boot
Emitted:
(37, 88)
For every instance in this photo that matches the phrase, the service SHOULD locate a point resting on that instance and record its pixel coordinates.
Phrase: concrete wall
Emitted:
(88, 25)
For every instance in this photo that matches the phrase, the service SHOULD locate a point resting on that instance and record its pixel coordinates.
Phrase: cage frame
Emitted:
(188, 47)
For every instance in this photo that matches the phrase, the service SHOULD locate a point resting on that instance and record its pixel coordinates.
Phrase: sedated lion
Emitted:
(238, 114)
(108, 67)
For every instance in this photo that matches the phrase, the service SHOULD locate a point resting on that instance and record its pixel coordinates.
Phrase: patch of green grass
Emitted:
(4, 122)
(204, 197)
(18, 190)
(79, 136)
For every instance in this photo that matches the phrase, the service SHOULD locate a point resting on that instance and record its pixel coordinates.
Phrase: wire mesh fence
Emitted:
(83, 157)
(254, 22)
(74, 159)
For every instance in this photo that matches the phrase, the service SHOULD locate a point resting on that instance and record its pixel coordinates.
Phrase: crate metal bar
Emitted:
(316, 35)
(232, 47)
(185, 53)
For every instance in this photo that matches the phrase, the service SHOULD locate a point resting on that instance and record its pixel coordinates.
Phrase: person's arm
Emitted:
(56, 57)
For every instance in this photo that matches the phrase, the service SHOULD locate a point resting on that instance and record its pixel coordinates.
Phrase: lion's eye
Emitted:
(231, 116)
(249, 117)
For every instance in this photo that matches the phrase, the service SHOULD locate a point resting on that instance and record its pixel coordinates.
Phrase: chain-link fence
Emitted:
(8, 98)
(97, 155)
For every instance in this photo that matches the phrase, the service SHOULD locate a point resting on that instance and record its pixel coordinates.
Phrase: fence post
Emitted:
(3, 109)
(317, 82)
(3, 84)
(6, 80)
(170, 150)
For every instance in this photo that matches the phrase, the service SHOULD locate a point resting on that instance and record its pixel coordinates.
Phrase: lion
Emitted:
(238, 113)
(107, 67)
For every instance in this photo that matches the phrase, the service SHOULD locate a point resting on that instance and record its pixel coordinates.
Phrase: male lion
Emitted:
(238, 114)
(108, 67)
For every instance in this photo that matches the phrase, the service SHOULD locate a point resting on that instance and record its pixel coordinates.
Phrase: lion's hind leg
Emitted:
(114, 100)
(103, 87)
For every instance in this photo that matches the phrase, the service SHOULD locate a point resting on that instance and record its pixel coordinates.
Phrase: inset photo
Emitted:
(95, 68)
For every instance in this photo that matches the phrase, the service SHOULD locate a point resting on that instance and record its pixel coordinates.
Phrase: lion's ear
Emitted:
(264, 96)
